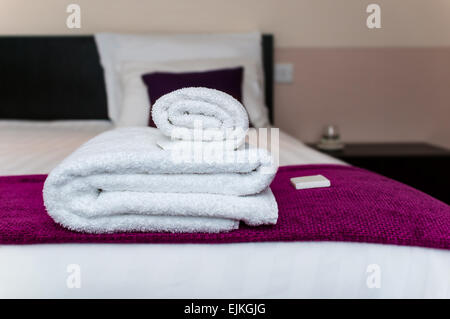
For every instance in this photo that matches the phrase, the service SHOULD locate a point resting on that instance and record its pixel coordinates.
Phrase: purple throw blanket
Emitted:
(360, 206)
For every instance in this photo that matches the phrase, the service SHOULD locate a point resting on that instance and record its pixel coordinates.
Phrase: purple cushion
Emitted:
(226, 80)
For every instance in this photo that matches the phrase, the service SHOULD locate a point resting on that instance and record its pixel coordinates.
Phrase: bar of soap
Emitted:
(314, 181)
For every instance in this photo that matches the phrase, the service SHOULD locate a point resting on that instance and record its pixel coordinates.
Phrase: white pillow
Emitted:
(135, 104)
(117, 48)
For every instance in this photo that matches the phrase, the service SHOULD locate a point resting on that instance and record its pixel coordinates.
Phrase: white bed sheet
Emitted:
(28, 147)
(247, 270)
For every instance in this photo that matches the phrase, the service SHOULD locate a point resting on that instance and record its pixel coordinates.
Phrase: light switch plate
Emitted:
(284, 72)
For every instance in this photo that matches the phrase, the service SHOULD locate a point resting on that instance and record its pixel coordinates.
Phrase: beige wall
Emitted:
(372, 94)
(295, 23)
(378, 85)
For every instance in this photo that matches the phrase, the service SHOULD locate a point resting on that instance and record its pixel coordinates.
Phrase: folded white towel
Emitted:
(122, 181)
(201, 114)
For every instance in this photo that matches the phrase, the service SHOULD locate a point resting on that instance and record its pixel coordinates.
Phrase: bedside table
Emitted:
(421, 165)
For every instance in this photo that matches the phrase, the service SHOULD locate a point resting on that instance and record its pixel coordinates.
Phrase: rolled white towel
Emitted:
(201, 114)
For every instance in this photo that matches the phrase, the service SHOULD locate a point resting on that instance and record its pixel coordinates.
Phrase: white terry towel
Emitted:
(216, 115)
(122, 181)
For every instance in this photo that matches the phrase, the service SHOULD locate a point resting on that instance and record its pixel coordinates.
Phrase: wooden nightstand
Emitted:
(423, 166)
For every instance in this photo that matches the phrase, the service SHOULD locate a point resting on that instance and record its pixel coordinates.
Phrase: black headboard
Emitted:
(268, 65)
(50, 78)
(60, 77)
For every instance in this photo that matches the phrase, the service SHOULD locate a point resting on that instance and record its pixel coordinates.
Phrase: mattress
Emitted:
(245, 270)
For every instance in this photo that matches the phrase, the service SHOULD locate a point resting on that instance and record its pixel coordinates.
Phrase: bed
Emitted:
(31, 144)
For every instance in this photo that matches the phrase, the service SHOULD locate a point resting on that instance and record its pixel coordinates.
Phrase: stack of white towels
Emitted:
(143, 179)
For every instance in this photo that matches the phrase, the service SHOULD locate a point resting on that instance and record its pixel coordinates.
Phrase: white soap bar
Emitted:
(313, 181)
